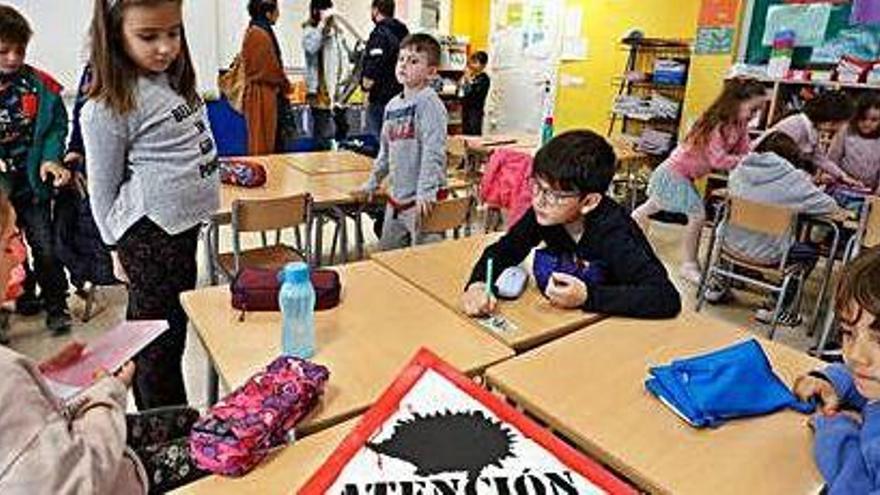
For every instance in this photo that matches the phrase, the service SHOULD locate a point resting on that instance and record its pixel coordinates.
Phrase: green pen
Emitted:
(489, 277)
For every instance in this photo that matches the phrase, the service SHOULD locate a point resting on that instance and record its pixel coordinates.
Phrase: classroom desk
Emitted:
(364, 342)
(589, 386)
(284, 472)
(442, 269)
(326, 162)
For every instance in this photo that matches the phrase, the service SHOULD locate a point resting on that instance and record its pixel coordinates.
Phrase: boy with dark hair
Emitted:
(571, 214)
(814, 128)
(33, 127)
(412, 146)
(474, 89)
(380, 58)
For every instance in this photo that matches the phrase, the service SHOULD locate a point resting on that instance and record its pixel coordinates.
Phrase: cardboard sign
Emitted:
(434, 431)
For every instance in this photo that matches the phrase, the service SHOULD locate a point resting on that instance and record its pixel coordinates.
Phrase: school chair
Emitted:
(867, 235)
(449, 214)
(725, 264)
(260, 216)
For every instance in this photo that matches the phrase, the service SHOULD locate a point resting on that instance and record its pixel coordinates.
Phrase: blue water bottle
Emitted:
(297, 302)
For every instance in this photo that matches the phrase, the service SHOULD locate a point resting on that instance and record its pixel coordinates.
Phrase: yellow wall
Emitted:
(588, 103)
(471, 18)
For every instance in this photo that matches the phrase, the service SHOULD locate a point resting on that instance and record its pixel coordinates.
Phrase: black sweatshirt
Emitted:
(380, 59)
(474, 93)
(636, 283)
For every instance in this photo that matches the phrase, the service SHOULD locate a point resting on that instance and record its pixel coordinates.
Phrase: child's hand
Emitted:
(566, 291)
(62, 175)
(424, 207)
(72, 158)
(3, 167)
(126, 373)
(475, 301)
(118, 269)
(806, 387)
(851, 181)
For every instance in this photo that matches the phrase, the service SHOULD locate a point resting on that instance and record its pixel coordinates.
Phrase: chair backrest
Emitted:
(871, 236)
(260, 215)
(456, 152)
(447, 215)
(764, 218)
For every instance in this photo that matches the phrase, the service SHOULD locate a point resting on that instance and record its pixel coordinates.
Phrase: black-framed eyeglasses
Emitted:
(551, 197)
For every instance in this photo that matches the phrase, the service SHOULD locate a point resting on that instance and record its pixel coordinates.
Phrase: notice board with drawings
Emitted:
(852, 29)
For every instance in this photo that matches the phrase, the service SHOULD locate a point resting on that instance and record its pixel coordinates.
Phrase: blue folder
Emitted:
(729, 383)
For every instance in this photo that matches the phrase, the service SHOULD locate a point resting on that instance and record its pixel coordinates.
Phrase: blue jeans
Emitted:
(375, 118)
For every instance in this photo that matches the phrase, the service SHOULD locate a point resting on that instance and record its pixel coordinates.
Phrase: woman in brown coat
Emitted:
(265, 82)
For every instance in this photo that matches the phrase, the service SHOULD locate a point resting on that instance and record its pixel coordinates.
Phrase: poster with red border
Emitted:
(434, 431)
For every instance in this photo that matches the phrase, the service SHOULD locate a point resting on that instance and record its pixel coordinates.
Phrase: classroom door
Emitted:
(525, 42)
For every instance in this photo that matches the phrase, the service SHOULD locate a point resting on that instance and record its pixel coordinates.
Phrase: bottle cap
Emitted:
(296, 272)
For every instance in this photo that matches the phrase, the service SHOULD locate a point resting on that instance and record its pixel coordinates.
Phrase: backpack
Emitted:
(240, 430)
(231, 84)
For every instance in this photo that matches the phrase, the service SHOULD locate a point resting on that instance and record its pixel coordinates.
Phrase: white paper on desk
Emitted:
(497, 324)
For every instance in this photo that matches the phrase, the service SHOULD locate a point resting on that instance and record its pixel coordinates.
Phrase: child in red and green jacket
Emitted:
(33, 127)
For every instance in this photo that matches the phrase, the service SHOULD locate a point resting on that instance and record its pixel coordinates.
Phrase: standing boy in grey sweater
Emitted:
(412, 149)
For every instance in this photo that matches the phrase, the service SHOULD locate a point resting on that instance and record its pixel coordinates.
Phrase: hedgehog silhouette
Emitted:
(448, 442)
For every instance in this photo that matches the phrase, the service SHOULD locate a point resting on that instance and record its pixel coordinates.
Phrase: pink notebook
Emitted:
(108, 352)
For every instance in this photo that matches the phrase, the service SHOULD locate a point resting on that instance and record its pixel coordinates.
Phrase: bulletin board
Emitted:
(842, 36)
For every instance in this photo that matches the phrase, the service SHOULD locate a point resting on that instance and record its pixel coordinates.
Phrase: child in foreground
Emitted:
(847, 443)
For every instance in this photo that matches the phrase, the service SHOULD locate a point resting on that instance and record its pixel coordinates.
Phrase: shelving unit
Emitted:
(453, 63)
(784, 94)
(638, 82)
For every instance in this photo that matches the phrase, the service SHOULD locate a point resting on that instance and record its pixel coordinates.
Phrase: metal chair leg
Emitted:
(780, 300)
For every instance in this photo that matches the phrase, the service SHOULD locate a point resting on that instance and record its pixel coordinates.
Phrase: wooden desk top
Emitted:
(442, 269)
(283, 179)
(365, 341)
(327, 162)
(590, 387)
(285, 472)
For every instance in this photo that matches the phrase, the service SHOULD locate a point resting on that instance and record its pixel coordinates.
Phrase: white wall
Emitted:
(214, 30)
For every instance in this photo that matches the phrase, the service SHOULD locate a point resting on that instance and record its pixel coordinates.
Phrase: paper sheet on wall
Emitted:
(809, 23)
(574, 48)
(574, 19)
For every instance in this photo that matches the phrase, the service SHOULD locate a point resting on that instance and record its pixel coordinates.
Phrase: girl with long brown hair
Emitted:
(717, 141)
(152, 172)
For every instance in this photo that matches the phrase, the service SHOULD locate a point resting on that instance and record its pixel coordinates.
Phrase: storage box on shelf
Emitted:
(647, 108)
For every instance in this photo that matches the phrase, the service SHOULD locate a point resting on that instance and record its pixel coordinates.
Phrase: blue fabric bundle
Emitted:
(729, 383)
(547, 262)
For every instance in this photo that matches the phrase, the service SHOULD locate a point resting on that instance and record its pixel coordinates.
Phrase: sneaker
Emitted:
(28, 304)
(690, 272)
(59, 321)
(786, 318)
(717, 293)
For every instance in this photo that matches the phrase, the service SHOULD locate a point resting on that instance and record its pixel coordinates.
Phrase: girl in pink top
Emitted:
(857, 147)
(718, 140)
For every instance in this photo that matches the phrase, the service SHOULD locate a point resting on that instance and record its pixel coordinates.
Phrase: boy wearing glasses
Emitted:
(570, 213)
